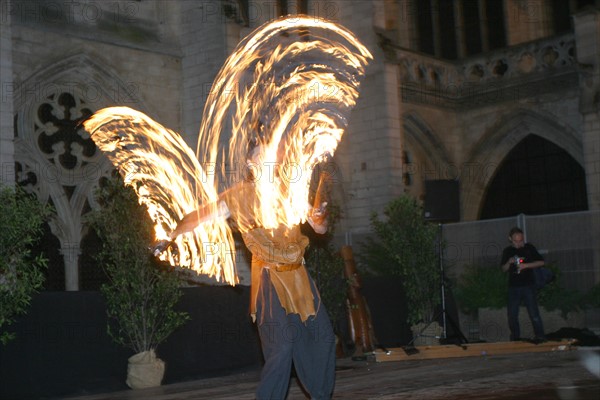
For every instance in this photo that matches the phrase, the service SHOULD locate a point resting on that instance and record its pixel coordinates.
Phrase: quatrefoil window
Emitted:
(60, 134)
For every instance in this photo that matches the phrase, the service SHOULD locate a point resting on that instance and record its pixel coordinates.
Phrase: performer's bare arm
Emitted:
(190, 221)
(199, 216)
(317, 216)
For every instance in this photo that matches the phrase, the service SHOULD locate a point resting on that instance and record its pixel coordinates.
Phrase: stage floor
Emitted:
(548, 375)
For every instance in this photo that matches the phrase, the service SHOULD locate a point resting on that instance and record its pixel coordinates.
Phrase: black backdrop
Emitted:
(62, 348)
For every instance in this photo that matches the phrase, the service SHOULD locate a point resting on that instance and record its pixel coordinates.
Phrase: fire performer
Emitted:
(292, 321)
(290, 87)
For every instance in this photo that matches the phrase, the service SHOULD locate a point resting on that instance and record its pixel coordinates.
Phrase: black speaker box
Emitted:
(441, 200)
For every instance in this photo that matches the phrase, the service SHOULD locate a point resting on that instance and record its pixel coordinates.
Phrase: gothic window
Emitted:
(61, 136)
(425, 27)
(285, 7)
(455, 28)
(494, 12)
(536, 177)
(57, 160)
(92, 276)
(448, 30)
(562, 11)
(49, 247)
(472, 26)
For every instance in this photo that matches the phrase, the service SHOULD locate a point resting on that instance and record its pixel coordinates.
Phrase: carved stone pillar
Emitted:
(527, 20)
(587, 37)
(70, 253)
(7, 172)
(459, 28)
(435, 24)
(58, 162)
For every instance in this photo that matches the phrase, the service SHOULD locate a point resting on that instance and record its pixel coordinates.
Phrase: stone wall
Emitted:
(369, 155)
(6, 102)
(410, 123)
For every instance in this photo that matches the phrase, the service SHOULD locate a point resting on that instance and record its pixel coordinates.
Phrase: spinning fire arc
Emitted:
(289, 87)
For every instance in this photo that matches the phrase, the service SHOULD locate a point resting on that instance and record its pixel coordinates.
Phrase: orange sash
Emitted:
(281, 251)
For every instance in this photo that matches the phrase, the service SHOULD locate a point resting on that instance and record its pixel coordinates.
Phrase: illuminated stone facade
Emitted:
(421, 115)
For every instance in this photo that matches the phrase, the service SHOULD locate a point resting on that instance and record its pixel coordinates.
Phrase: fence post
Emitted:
(522, 223)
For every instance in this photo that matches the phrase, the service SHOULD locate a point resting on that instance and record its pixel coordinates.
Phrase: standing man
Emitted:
(519, 259)
(293, 325)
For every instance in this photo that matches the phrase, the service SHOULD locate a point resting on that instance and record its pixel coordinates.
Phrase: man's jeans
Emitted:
(525, 294)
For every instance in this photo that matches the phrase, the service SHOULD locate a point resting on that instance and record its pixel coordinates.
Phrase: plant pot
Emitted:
(426, 334)
(145, 370)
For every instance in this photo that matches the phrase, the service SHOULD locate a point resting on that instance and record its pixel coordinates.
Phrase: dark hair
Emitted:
(514, 230)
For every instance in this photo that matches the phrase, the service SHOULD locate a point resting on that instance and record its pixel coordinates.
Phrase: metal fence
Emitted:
(569, 241)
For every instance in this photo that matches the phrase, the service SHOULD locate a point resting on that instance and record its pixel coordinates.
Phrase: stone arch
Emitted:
(55, 157)
(486, 156)
(429, 158)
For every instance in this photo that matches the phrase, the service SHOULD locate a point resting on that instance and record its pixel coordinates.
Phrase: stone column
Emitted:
(485, 32)
(527, 20)
(204, 49)
(587, 38)
(70, 253)
(406, 25)
(370, 154)
(7, 160)
(459, 28)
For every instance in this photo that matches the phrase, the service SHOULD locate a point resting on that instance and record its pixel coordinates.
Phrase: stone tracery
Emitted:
(55, 157)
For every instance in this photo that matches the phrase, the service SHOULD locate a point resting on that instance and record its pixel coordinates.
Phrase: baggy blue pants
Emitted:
(286, 339)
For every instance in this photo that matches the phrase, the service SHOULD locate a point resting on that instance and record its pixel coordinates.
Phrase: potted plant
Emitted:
(481, 287)
(21, 272)
(141, 294)
(404, 245)
(591, 300)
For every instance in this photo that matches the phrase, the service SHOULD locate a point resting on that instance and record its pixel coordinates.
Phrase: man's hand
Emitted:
(317, 218)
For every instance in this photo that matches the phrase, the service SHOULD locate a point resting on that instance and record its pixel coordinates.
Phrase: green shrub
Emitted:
(22, 218)
(592, 298)
(404, 245)
(487, 287)
(481, 287)
(141, 293)
(326, 266)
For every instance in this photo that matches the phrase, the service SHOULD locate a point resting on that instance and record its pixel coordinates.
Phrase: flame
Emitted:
(286, 92)
(165, 174)
(289, 86)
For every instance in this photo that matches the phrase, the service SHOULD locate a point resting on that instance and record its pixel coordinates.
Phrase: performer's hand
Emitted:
(317, 218)
(318, 214)
(160, 246)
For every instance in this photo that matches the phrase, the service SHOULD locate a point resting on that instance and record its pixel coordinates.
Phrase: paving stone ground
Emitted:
(557, 375)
